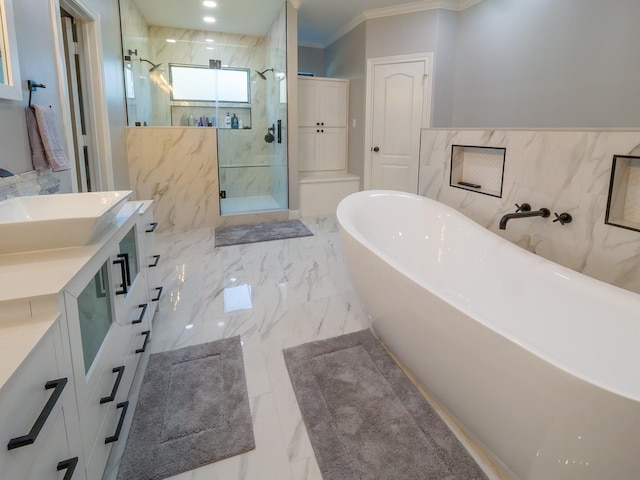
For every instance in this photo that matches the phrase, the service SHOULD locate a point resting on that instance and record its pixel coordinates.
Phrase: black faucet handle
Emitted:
(525, 207)
(563, 218)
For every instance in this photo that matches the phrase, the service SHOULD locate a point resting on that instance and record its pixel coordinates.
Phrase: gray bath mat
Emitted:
(193, 410)
(365, 418)
(261, 232)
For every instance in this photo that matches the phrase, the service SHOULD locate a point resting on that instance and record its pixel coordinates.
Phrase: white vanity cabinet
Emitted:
(322, 121)
(38, 413)
(106, 307)
(97, 308)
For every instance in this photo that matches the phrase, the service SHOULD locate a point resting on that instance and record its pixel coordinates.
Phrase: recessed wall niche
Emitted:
(623, 205)
(478, 169)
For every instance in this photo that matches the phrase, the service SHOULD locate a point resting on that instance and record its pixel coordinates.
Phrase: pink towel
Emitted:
(38, 157)
(49, 138)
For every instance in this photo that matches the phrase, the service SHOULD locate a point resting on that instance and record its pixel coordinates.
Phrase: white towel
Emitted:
(49, 139)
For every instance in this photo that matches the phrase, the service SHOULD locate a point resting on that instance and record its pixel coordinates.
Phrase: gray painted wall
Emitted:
(548, 64)
(311, 60)
(37, 55)
(444, 69)
(402, 34)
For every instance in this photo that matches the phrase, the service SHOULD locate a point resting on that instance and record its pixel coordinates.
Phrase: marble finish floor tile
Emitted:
(274, 295)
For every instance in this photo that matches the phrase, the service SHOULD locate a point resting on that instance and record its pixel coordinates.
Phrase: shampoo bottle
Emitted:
(227, 121)
(234, 121)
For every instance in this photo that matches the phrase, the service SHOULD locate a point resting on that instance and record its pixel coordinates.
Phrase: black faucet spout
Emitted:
(543, 212)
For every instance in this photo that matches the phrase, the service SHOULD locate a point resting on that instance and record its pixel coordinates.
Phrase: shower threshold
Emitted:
(256, 203)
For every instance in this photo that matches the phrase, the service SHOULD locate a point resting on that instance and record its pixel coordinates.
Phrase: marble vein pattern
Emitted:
(274, 295)
(565, 171)
(178, 169)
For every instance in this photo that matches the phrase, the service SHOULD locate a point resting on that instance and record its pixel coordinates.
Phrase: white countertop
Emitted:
(18, 338)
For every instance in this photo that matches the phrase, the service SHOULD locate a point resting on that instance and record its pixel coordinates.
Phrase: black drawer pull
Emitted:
(58, 385)
(127, 267)
(153, 226)
(70, 466)
(159, 289)
(116, 436)
(146, 339)
(123, 272)
(114, 390)
(143, 306)
(155, 264)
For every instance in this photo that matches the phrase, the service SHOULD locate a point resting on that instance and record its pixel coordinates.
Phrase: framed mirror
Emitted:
(10, 87)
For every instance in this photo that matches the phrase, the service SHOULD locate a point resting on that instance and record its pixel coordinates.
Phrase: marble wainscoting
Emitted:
(177, 168)
(564, 171)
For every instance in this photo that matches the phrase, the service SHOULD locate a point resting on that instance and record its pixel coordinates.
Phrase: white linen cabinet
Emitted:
(322, 124)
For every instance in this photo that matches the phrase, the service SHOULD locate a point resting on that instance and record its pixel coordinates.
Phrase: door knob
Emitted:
(376, 149)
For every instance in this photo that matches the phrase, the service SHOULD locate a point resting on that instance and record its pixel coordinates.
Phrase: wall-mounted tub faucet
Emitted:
(523, 211)
(563, 218)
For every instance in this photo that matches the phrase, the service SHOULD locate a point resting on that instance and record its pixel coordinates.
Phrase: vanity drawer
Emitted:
(30, 409)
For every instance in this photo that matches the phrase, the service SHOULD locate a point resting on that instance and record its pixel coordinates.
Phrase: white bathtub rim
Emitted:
(624, 391)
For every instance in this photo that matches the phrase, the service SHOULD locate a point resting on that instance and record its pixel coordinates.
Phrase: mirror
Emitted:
(10, 87)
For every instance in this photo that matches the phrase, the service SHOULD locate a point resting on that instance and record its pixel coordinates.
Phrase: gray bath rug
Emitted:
(193, 410)
(365, 418)
(261, 232)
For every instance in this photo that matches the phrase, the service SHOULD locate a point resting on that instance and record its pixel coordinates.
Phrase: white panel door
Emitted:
(397, 106)
(308, 114)
(334, 104)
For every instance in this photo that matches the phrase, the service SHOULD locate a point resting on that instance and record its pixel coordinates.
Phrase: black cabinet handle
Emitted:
(155, 264)
(159, 289)
(124, 406)
(114, 390)
(153, 225)
(58, 385)
(127, 267)
(146, 339)
(123, 272)
(143, 306)
(69, 465)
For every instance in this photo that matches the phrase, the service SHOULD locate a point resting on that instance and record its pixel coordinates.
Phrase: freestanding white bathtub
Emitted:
(539, 363)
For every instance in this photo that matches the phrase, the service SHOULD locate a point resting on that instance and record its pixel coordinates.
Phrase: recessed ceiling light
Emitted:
(210, 48)
(209, 19)
(171, 40)
(208, 3)
(210, 40)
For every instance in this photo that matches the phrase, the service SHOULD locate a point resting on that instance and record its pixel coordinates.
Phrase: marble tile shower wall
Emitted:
(565, 171)
(135, 35)
(191, 48)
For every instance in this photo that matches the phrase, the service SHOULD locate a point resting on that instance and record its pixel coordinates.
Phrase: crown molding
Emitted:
(421, 6)
(312, 44)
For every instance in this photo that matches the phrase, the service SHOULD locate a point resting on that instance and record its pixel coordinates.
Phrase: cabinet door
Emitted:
(26, 402)
(333, 104)
(308, 101)
(332, 148)
(307, 140)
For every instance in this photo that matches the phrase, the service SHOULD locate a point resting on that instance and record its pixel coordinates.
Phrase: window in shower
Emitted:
(193, 83)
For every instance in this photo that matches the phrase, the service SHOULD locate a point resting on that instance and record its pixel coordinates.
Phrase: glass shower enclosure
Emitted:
(233, 82)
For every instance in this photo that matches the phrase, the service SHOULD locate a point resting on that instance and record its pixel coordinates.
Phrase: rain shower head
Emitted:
(154, 67)
(261, 74)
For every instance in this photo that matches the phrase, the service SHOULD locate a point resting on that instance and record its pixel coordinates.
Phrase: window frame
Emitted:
(237, 69)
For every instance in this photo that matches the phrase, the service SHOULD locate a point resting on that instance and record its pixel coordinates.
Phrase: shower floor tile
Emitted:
(256, 203)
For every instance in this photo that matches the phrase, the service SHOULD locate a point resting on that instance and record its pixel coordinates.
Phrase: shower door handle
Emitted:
(279, 131)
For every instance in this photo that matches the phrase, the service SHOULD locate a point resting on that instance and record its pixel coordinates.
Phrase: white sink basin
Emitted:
(43, 222)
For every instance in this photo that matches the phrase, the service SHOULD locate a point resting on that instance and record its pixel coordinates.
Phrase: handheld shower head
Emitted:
(261, 74)
(154, 67)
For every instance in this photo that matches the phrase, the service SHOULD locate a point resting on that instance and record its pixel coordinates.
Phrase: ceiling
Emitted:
(319, 21)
